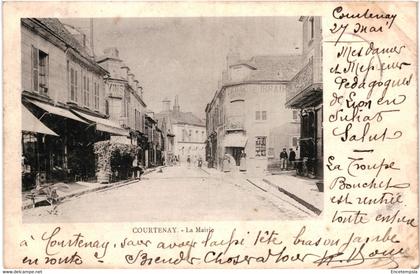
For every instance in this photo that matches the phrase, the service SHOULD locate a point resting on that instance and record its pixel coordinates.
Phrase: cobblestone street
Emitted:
(175, 194)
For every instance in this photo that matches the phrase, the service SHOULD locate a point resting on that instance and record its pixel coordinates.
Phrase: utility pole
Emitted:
(91, 37)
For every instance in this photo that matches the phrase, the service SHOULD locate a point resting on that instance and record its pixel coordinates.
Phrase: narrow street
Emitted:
(175, 194)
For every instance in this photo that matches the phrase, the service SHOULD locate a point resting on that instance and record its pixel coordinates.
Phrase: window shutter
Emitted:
(35, 74)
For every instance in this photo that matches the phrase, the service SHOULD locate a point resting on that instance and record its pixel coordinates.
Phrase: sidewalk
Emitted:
(301, 189)
(77, 189)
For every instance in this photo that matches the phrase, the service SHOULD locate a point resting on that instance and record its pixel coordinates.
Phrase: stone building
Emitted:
(63, 88)
(304, 93)
(248, 113)
(124, 100)
(189, 132)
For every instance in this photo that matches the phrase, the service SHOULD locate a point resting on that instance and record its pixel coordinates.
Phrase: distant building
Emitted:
(248, 113)
(189, 131)
(164, 123)
(304, 93)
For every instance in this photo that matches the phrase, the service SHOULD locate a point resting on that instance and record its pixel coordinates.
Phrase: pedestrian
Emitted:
(136, 168)
(226, 163)
(242, 162)
(283, 159)
(188, 161)
(292, 159)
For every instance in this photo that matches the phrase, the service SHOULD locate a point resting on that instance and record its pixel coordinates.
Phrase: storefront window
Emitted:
(260, 146)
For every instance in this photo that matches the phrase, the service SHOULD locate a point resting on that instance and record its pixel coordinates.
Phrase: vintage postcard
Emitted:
(210, 135)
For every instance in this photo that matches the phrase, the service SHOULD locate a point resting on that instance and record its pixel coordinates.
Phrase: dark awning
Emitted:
(57, 111)
(105, 125)
(309, 97)
(31, 124)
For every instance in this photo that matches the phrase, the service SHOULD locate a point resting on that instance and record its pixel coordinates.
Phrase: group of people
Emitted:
(198, 161)
(287, 160)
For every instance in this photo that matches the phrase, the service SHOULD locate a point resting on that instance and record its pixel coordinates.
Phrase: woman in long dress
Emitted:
(226, 163)
(242, 163)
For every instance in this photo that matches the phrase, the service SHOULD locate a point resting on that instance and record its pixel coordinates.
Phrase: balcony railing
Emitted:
(310, 74)
(235, 122)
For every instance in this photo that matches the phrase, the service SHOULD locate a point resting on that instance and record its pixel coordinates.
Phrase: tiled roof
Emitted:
(182, 118)
(273, 67)
(55, 26)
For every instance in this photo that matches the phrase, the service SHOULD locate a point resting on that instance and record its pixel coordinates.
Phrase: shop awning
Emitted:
(57, 111)
(105, 125)
(309, 97)
(32, 124)
(235, 140)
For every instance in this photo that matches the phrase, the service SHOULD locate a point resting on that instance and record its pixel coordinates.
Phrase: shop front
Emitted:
(310, 160)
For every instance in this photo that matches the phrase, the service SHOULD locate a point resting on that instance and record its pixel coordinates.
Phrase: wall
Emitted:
(57, 81)
(193, 146)
(58, 73)
(279, 128)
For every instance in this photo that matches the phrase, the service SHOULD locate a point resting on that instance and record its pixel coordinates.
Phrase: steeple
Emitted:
(176, 104)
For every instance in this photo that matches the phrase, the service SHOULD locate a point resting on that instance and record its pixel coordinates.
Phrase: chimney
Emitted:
(233, 57)
(140, 91)
(136, 85)
(131, 80)
(126, 71)
(225, 77)
(112, 52)
(176, 105)
(166, 104)
(91, 37)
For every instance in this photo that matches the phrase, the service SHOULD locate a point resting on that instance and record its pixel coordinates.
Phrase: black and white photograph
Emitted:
(171, 119)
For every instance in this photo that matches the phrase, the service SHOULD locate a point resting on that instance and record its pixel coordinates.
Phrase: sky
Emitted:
(186, 56)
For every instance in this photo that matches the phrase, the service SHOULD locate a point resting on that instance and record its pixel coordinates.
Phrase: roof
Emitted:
(55, 26)
(272, 67)
(178, 117)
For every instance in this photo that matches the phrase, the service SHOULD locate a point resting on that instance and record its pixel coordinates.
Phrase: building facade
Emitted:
(305, 95)
(189, 132)
(247, 114)
(124, 101)
(62, 90)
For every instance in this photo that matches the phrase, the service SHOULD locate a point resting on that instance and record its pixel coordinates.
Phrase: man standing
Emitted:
(283, 159)
(292, 159)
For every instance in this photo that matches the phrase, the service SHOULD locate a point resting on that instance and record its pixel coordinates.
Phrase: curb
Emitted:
(296, 198)
(103, 187)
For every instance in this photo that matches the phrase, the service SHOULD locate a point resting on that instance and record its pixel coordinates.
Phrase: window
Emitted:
(106, 107)
(295, 141)
(73, 85)
(39, 71)
(261, 115)
(260, 145)
(184, 133)
(311, 29)
(137, 120)
(96, 96)
(295, 115)
(86, 92)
